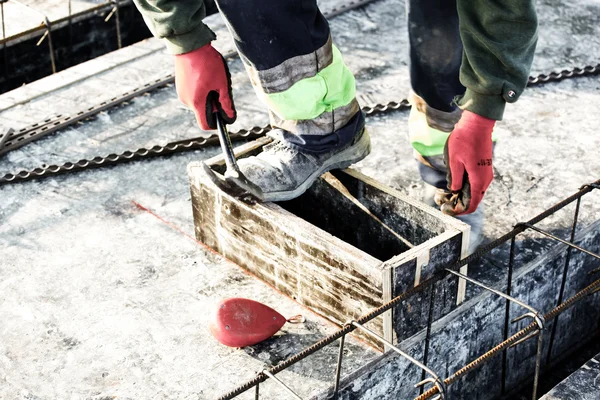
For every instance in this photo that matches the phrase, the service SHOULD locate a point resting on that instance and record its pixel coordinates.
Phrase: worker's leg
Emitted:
(287, 49)
(301, 77)
(435, 59)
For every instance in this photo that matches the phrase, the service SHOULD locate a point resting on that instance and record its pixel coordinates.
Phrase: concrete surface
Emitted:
(583, 384)
(477, 326)
(99, 298)
(22, 15)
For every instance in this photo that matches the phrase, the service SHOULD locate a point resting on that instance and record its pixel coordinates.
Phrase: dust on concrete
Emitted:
(101, 299)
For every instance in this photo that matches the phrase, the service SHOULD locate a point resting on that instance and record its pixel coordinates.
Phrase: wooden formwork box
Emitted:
(323, 250)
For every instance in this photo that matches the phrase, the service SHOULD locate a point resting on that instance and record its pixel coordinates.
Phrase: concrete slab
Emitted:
(115, 289)
(67, 241)
(27, 14)
(583, 384)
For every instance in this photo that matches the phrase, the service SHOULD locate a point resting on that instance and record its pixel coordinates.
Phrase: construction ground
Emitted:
(104, 291)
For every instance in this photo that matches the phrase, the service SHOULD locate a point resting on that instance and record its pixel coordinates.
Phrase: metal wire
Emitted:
(115, 12)
(563, 282)
(513, 339)
(429, 282)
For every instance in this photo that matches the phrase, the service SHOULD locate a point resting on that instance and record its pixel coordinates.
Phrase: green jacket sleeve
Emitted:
(179, 22)
(499, 39)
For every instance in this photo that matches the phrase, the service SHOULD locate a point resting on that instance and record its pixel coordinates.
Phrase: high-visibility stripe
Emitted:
(428, 141)
(330, 88)
(324, 124)
(285, 75)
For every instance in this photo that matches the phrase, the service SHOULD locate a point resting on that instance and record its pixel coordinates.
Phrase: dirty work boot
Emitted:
(435, 197)
(284, 173)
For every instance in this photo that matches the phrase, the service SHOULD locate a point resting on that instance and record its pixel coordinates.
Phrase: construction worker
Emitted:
(486, 46)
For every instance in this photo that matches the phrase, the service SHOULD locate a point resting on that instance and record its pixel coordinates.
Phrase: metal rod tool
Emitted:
(233, 182)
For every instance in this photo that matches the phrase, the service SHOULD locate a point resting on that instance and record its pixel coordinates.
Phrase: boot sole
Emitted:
(344, 159)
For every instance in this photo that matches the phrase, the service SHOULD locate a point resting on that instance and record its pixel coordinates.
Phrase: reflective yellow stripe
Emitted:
(330, 88)
(428, 141)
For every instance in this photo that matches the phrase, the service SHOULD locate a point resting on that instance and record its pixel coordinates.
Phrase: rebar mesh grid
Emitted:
(439, 387)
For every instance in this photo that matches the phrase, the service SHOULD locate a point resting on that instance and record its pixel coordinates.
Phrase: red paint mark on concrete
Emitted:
(141, 207)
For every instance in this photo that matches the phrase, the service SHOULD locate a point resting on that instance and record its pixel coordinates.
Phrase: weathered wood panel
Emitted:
(441, 241)
(411, 317)
(477, 325)
(314, 267)
(323, 248)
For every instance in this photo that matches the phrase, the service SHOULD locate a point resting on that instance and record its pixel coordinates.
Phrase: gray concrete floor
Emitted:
(22, 15)
(583, 384)
(101, 298)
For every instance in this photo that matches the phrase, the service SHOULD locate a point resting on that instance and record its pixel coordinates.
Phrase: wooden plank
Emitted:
(332, 248)
(441, 241)
(314, 267)
(477, 326)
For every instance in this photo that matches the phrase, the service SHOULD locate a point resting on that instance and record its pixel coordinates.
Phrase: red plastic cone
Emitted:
(242, 322)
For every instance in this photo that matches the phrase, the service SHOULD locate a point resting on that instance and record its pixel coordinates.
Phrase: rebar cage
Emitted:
(538, 327)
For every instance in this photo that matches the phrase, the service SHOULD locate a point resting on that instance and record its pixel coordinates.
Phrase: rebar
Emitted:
(51, 125)
(513, 339)
(434, 378)
(47, 33)
(519, 228)
(563, 281)
(4, 36)
(428, 332)
(509, 276)
(115, 12)
(551, 236)
(338, 369)
(58, 22)
(537, 317)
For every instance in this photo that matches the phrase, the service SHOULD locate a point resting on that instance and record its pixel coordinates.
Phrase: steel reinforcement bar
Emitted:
(512, 340)
(522, 334)
(36, 131)
(14, 139)
(155, 151)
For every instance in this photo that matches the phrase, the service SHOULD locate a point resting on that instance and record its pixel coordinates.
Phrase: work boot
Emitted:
(436, 197)
(284, 173)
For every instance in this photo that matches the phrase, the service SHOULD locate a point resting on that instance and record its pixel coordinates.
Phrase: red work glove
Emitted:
(468, 155)
(203, 82)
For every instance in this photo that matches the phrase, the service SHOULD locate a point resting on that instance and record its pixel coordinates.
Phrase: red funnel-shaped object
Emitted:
(242, 322)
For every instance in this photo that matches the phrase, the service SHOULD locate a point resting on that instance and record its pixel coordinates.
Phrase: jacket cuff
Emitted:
(489, 106)
(190, 41)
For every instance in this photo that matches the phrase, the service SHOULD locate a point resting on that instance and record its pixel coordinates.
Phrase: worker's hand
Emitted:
(204, 84)
(468, 156)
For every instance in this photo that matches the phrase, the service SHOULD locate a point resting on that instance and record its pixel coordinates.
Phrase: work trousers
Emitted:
(299, 74)
(296, 70)
(435, 59)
